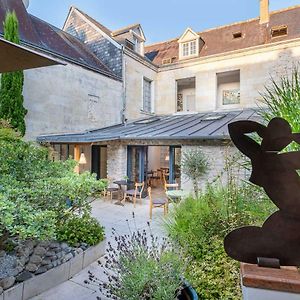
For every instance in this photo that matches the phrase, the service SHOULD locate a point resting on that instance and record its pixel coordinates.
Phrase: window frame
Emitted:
(149, 109)
(189, 48)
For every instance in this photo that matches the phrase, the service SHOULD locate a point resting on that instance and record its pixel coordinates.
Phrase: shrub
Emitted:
(200, 227)
(22, 220)
(80, 229)
(282, 99)
(141, 268)
(194, 165)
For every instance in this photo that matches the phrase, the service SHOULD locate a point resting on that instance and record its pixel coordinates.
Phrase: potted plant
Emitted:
(142, 267)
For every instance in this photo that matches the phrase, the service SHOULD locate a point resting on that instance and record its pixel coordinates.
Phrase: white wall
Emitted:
(255, 65)
(58, 100)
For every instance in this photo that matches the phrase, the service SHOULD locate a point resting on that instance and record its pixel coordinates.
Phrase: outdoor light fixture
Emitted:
(82, 160)
(167, 158)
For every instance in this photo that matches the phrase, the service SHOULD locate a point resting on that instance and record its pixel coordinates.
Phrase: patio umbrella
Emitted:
(14, 57)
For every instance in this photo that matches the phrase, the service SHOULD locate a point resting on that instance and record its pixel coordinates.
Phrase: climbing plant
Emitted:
(11, 98)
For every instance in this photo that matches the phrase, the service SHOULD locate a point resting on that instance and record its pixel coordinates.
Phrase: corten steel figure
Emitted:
(276, 172)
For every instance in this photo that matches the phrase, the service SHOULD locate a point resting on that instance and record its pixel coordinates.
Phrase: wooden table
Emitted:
(177, 194)
(121, 183)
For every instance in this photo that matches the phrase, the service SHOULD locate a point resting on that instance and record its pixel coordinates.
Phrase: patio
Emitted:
(110, 216)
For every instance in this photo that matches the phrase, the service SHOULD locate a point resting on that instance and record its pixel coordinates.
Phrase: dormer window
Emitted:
(189, 44)
(189, 48)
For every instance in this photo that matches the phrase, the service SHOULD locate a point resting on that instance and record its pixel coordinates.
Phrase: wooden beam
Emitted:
(77, 157)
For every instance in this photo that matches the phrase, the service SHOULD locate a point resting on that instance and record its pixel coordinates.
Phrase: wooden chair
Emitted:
(111, 189)
(155, 203)
(134, 194)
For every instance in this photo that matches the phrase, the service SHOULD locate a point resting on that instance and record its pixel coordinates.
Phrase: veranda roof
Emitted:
(200, 126)
(15, 57)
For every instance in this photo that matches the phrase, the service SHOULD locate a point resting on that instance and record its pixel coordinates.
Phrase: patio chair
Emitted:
(136, 193)
(156, 203)
(110, 190)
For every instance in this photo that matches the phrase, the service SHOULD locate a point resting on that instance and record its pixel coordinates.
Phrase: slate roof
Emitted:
(200, 126)
(45, 37)
(220, 40)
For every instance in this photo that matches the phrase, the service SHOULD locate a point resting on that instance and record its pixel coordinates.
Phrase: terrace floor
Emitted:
(110, 216)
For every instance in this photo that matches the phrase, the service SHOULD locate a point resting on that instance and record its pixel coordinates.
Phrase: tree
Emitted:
(282, 99)
(194, 165)
(11, 98)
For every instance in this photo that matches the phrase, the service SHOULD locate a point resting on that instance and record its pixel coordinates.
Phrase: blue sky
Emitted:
(160, 19)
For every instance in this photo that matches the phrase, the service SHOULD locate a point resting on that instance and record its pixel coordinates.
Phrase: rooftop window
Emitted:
(279, 31)
(189, 48)
(237, 35)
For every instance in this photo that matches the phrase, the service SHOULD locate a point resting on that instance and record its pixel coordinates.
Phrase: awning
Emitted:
(200, 126)
(14, 57)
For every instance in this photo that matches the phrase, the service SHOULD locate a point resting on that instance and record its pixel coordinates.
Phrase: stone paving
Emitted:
(110, 216)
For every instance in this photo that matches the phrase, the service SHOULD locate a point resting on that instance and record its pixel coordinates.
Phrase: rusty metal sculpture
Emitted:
(279, 237)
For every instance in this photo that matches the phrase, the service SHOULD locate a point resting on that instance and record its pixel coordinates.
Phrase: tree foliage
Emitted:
(11, 98)
(194, 165)
(36, 194)
(282, 99)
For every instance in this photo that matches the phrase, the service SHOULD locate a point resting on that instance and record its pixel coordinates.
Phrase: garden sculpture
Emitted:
(275, 171)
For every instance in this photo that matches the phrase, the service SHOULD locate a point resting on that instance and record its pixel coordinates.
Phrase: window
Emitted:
(129, 45)
(193, 48)
(189, 48)
(237, 35)
(147, 95)
(279, 31)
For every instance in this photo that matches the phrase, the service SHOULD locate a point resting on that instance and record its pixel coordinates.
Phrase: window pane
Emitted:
(147, 96)
(185, 49)
(193, 48)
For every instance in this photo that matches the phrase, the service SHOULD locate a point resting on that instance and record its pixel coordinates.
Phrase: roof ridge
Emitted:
(227, 25)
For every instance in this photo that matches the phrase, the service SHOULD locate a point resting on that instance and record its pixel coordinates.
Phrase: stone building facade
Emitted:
(112, 77)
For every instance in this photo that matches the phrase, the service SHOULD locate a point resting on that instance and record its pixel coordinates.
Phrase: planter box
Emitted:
(41, 283)
(270, 284)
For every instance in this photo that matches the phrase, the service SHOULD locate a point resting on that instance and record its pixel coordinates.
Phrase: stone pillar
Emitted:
(116, 161)
(270, 284)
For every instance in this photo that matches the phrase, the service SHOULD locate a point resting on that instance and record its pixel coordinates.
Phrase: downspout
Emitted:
(123, 112)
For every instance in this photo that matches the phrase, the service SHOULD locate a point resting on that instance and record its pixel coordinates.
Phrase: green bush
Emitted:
(79, 229)
(36, 194)
(200, 226)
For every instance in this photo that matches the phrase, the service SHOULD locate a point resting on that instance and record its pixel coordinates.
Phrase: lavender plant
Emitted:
(140, 267)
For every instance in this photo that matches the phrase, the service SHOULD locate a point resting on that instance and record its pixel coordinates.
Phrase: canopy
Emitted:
(14, 57)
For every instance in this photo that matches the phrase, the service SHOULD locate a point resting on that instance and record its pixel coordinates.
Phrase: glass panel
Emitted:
(103, 162)
(64, 152)
(179, 102)
(193, 48)
(185, 49)
(147, 96)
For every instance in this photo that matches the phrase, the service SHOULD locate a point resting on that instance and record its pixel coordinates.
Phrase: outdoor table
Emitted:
(177, 194)
(121, 183)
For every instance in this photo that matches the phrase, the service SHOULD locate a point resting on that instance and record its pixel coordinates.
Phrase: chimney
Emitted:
(264, 12)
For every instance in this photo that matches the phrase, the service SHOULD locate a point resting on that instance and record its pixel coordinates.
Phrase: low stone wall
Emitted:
(41, 283)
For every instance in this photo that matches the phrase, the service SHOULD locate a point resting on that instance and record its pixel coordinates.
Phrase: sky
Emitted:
(161, 19)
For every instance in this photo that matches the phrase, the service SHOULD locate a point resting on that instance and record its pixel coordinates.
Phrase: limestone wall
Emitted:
(135, 72)
(255, 67)
(216, 156)
(69, 99)
(116, 161)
